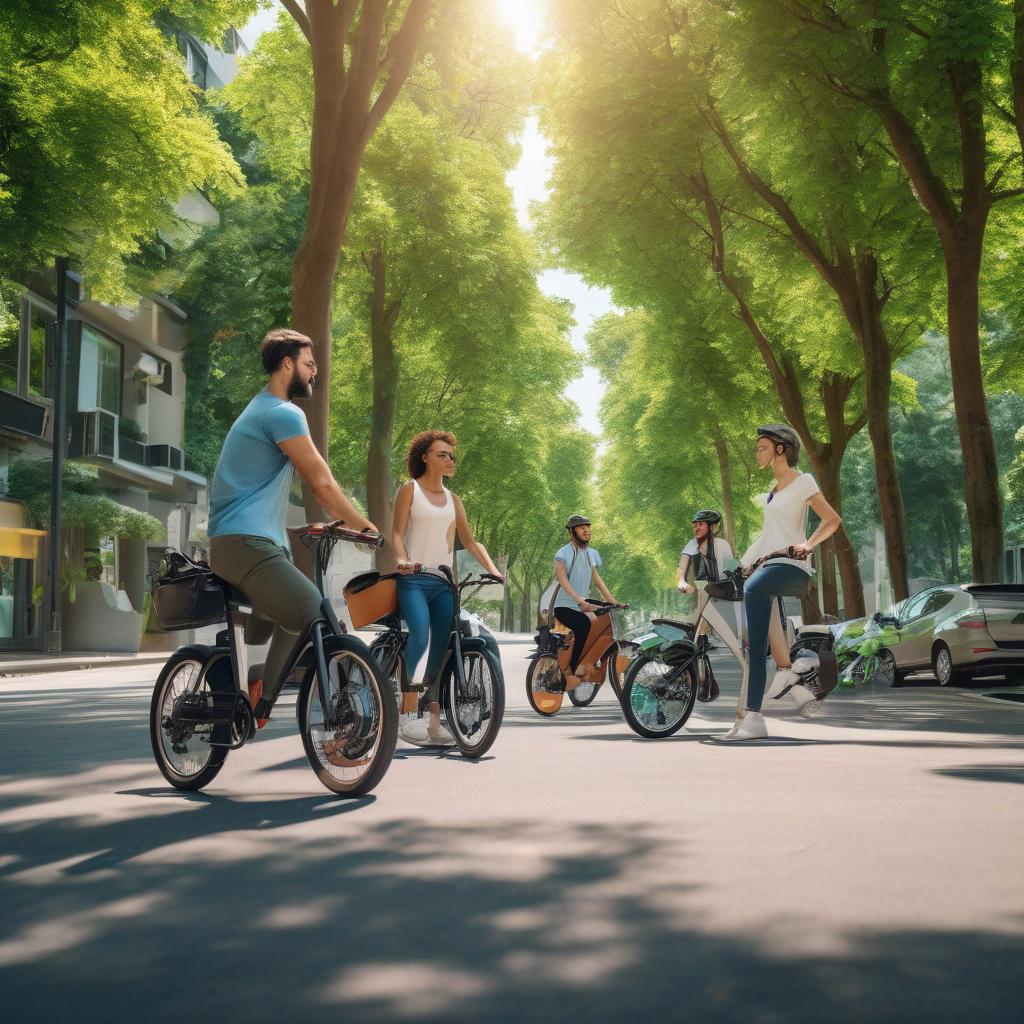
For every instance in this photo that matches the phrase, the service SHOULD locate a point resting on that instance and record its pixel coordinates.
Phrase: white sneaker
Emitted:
(414, 730)
(440, 735)
(750, 727)
(802, 696)
(784, 679)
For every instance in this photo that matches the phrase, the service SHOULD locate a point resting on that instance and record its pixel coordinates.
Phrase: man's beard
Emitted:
(580, 542)
(298, 388)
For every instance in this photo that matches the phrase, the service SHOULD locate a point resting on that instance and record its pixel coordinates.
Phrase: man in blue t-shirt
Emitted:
(576, 571)
(249, 504)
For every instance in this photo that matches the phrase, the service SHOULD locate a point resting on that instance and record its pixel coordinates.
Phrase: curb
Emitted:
(72, 664)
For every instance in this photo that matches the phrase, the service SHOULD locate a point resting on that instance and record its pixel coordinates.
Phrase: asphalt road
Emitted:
(864, 865)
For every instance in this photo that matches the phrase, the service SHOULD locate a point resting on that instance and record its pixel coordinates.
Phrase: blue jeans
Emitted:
(427, 605)
(759, 593)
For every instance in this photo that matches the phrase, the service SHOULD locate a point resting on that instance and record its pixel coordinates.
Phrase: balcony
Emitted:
(97, 434)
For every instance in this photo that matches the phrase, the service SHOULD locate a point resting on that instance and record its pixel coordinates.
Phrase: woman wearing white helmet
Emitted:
(785, 526)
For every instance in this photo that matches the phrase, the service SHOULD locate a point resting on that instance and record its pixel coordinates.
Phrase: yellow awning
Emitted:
(19, 542)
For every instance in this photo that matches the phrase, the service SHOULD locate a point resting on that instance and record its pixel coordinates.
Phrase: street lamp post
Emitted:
(60, 358)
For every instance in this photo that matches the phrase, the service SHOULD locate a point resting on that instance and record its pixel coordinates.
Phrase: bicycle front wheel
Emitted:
(545, 685)
(475, 707)
(584, 694)
(656, 698)
(351, 757)
(182, 749)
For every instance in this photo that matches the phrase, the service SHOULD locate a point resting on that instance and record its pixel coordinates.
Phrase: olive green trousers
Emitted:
(279, 591)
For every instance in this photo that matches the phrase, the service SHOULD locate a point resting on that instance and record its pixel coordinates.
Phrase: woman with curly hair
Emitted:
(427, 517)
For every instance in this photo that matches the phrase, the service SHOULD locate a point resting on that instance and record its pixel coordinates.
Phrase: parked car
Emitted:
(958, 631)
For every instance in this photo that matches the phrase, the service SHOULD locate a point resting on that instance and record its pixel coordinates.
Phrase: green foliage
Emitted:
(82, 502)
(102, 132)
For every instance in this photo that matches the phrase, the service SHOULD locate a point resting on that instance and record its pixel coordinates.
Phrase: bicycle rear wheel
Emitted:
(182, 750)
(475, 707)
(351, 758)
(656, 698)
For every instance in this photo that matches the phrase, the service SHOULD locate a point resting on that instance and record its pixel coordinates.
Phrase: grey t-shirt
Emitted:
(579, 566)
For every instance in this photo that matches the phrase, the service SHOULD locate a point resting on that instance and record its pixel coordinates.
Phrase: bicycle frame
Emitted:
(239, 612)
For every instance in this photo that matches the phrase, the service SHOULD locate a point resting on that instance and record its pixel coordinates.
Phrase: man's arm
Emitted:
(316, 474)
(599, 583)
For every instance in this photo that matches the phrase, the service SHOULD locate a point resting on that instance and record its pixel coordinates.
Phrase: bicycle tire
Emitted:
(589, 693)
(637, 694)
(476, 750)
(363, 747)
(158, 711)
(386, 654)
(544, 660)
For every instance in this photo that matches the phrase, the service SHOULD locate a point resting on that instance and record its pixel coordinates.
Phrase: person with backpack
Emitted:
(576, 565)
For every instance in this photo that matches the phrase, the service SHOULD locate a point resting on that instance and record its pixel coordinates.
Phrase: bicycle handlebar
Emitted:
(339, 532)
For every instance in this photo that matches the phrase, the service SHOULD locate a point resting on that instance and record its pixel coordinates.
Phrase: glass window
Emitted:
(912, 607)
(40, 340)
(10, 311)
(99, 384)
(937, 601)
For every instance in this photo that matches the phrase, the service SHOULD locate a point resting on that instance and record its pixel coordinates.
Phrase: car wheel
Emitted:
(942, 662)
(887, 667)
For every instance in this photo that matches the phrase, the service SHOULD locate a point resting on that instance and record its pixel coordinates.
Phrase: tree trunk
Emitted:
(829, 590)
(525, 625)
(878, 399)
(827, 467)
(982, 492)
(722, 451)
(379, 485)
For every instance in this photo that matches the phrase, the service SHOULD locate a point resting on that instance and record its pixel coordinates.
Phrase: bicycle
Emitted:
(470, 681)
(200, 712)
(546, 682)
(660, 688)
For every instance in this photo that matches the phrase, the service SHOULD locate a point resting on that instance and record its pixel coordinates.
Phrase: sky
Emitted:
(528, 183)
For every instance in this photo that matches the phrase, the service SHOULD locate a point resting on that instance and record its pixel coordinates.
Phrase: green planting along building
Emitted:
(129, 493)
(125, 402)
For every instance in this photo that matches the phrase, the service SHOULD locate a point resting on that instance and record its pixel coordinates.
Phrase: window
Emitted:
(9, 315)
(912, 607)
(166, 383)
(100, 373)
(937, 601)
(40, 345)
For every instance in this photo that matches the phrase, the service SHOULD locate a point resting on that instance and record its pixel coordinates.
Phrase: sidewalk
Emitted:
(34, 664)
(23, 664)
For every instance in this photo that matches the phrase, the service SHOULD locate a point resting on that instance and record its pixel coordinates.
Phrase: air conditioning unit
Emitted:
(164, 456)
(20, 414)
(148, 369)
(93, 434)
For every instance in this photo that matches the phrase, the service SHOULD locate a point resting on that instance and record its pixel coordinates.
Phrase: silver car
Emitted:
(986, 638)
(957, 630)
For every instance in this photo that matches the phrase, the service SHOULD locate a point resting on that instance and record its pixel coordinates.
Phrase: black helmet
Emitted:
(781, 434)
(575, 521)
(707, 515)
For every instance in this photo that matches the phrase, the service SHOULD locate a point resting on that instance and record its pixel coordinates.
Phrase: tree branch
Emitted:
(398, 59)
(299, 14)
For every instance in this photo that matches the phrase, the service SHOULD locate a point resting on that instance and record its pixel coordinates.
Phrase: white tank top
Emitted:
(430, 533)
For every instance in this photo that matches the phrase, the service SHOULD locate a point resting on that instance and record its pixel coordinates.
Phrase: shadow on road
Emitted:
(406, 920)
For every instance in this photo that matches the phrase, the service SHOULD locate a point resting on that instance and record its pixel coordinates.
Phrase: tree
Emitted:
(934, 76)
(101, 131)
(635, 209)
(361, 52)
